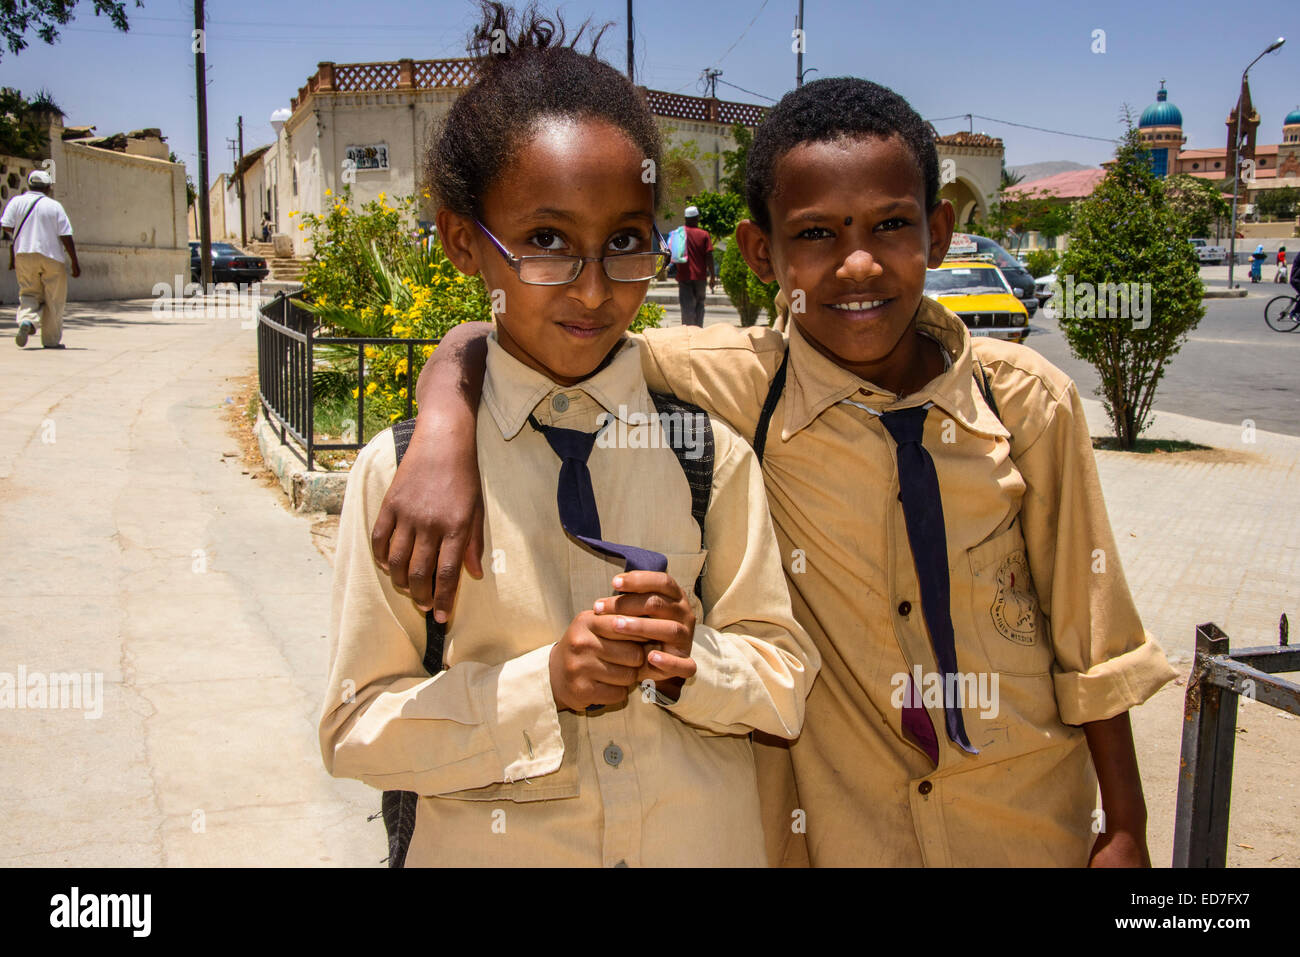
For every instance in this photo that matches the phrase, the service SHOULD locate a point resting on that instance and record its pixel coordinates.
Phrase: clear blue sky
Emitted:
(1026, 62)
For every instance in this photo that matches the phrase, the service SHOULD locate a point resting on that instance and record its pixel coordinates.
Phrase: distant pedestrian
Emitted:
(1281, 265)
(266, 227)
(40, 232)
(696, 270)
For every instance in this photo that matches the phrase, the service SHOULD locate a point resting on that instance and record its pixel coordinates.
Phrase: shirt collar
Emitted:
(817, 383)
(512, 390)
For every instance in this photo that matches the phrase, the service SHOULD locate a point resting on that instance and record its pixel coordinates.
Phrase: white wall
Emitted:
(128, 217)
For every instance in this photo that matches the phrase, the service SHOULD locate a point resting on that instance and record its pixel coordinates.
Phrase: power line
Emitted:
(1025, 126)
(742, 33)
(750, 92)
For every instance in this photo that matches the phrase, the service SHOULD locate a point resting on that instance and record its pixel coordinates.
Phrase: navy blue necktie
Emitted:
(923, 513)
(577, 499)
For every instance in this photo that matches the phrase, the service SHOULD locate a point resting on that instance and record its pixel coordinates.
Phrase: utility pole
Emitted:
(711, 80)
(243, 223)
(200, 82)
(798, 64)
(631, 59)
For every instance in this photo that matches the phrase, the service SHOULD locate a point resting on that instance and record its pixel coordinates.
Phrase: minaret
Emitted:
(1249, 123)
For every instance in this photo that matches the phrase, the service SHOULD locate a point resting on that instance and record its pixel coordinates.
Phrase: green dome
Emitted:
(1161, 112)
(1292, 118)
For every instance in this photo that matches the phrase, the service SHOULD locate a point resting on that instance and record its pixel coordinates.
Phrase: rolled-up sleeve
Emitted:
(755, 663)
(386, 721)
(1106, 661)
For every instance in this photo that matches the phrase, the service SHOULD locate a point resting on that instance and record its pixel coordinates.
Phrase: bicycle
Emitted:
(1283, 313)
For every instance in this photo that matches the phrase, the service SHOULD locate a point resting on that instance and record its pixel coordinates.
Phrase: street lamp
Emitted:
(1236, 152)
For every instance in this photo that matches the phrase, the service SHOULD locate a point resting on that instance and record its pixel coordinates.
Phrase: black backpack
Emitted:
(398, 807)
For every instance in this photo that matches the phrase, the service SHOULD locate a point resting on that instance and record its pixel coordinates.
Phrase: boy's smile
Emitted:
(574, 189)
(851, 240)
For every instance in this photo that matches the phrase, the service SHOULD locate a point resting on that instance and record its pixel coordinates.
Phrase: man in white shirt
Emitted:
(41, 233)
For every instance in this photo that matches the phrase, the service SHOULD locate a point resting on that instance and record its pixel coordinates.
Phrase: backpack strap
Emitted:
(985, 384)
(769, 406)
(695, 436)
(398, 807)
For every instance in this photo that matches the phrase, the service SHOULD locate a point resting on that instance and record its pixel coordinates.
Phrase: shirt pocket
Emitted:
(1004, 605)
(561, 783)
(685, 568)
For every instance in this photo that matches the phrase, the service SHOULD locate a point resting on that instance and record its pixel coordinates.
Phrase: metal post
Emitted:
(631, 59)
(1205, 771)
(243, 222)
(201, 87)
(798, 66)
(1236, 179)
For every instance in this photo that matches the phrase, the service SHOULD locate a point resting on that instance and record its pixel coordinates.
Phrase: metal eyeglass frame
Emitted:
(514, 262)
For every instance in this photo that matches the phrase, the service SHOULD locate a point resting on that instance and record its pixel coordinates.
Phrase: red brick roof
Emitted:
(964, 138)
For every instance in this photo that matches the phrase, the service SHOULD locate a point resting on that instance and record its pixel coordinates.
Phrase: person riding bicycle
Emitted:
(1295, 284)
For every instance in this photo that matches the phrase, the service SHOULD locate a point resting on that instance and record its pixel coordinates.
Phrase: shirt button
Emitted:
(904, 608)
(925, 787)
(560, 402)
(613, 755)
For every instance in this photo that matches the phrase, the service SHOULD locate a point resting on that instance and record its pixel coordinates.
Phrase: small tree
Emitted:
(1127, 235)
(1198, 201)
(735, 162)
(719, 212)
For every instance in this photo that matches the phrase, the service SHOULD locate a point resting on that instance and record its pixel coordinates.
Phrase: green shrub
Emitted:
(1128, 232)
(1040, 262)
(747, 293)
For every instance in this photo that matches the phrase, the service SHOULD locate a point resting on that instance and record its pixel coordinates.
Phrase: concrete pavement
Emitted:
(135, 550)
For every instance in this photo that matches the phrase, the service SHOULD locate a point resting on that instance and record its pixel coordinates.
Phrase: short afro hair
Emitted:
(827, 110)
(524, 74)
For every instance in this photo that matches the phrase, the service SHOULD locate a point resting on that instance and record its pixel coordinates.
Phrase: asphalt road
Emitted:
(1233, 367)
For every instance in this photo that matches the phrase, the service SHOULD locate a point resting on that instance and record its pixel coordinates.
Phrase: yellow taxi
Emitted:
(974, 288)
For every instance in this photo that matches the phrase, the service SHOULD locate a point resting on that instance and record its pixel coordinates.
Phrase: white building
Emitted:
(371, 124)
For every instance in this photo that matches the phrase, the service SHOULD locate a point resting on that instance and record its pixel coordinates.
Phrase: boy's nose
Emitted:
(859, 265)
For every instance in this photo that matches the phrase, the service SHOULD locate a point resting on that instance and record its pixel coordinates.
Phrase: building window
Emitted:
(1196, 166)
(1160, 162)
(295, 178)
(1217, 164)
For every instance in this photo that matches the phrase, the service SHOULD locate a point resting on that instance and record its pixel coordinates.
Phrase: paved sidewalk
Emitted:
(133, 549)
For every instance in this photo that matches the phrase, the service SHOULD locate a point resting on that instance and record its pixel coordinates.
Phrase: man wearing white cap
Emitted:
(698, 267)
(39, 229)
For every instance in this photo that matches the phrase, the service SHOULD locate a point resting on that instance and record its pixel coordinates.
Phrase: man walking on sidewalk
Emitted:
(39, 229)
(698, 267)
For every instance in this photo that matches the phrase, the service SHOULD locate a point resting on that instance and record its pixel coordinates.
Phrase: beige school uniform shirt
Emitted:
(504, 777)
(1039, 602)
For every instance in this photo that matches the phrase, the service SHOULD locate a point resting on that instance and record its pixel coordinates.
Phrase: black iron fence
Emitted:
(1220, 676)
(286, 344)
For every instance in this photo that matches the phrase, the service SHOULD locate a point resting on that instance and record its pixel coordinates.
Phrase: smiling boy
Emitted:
(938, 510)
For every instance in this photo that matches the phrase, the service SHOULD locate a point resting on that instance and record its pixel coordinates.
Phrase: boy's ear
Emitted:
(941, 220)
(458, 235)
(756, 247)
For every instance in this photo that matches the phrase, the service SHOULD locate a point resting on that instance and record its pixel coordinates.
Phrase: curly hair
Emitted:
(525, 73)
(826, 110)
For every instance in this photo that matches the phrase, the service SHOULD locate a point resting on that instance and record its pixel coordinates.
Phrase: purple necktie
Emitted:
(577, 499)
(923, 514)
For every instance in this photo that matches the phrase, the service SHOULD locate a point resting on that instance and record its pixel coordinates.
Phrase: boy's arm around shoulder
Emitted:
(723, 369)
(755, 663)
(385, 720)
(1108, 662)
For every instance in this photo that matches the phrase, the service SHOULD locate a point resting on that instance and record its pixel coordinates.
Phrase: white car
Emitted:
(1044, 286)
(1209, 255)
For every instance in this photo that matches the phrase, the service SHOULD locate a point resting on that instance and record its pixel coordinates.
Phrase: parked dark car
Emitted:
(1017, 276)
(229, 265)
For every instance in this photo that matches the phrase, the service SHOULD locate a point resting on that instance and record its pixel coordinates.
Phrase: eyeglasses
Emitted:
(560, 270)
